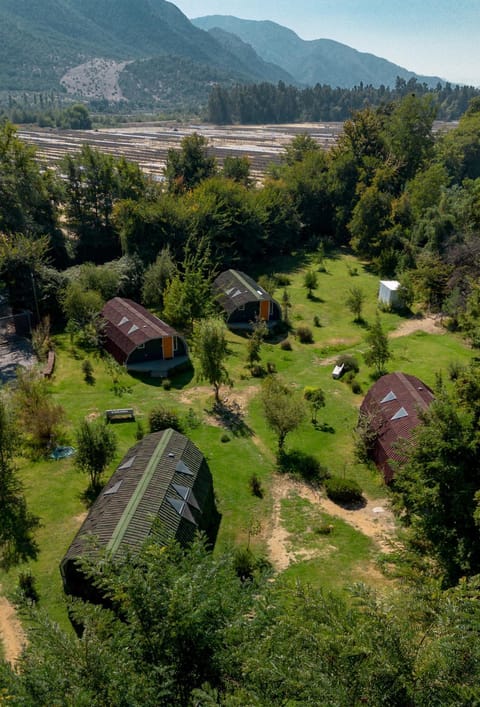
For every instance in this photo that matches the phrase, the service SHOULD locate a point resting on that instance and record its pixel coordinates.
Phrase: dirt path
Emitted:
(374, 520)
(12, 634)
(430, 325)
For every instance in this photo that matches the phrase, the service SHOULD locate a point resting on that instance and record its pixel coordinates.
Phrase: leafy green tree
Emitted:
(284, 411)
(96, 447)
(157, 276)
(310, 282)
(237, 169)
(81, 307)
(354, 302)
(378, 352)
(286, 305)
(298, 147)
(22, 265)
(211, 350)
(255, 340)
(315, 397)
(437, 491)
(17, 524)
(187, 167)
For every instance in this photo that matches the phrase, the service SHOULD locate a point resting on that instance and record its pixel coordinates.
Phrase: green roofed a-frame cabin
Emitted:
(139, 340)
(161, 489)
(244, 301)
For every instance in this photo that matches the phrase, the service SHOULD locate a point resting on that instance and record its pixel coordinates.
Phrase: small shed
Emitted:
(389, 292)
(391, 411)
(244, 300)
(162, 488)
(141, 341)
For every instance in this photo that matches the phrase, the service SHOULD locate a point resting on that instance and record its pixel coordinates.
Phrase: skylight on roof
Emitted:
(389, 397)
(236, 293)
(123, 320)
(128, 463)
(183, 468)
(399, 414)
(113, 489)
(182, 509)
(133, 328)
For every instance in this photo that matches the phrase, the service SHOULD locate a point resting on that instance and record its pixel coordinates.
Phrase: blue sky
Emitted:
(432, 37)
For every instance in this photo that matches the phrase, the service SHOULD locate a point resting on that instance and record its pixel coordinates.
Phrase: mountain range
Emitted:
(148, 53)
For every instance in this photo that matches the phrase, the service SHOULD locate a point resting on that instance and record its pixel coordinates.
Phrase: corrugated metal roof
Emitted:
(128, 325)
(234, 289)
(141, 490)
(393, 404)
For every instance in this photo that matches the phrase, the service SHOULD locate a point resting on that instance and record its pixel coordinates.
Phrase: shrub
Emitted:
(286, 345)
(350, 363)
(352, 270)
(257, 371)
(224, 438)
(355, 386)
(192, 421)
(87, 369)
(27, 585)
(139, 430)
(349, 377)
(343, 490)
(282, 279)
(300, 463)
(244, 563)
(166, 384)
(161, 418)
(271, 367)
(455, 369)
(316, 321)
(304, 334)
(255, 486)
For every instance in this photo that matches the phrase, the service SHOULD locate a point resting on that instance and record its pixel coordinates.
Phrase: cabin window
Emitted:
(141, 346)
(241, 307)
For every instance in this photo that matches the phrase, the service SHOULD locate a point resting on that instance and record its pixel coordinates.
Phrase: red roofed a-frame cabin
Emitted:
(139, 340)
(391, 409)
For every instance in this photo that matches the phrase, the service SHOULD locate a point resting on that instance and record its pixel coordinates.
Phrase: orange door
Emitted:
(264, 310)
(167, 345)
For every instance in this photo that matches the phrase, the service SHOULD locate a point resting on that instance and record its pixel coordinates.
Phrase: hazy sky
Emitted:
(431, 37)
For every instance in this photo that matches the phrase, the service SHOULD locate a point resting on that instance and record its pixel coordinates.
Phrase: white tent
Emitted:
(388, 292)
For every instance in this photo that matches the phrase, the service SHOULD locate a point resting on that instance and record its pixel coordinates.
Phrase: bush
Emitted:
(286, 345)
(166, 384)
(192, 421)
(161, 418)
(255, 486)
(257, 371)
(455, 369)
(355, 386)
(139, 430)
(304, 334)
(87, 369)
(343, 490)
(350, 363)
(316, 321)
(224, 438)
(300, 463)
(282, 279)
(27, 585)
(271, 367)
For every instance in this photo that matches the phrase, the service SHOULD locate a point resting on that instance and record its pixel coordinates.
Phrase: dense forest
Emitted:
(190, 628)
(269, 103)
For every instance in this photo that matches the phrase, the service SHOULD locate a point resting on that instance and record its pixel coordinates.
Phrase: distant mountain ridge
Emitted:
(322, 61)
(149, 53)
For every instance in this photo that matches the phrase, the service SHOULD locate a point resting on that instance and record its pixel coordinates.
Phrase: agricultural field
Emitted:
(303, 534)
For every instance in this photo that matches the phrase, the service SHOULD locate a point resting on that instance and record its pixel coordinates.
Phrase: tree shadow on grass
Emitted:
(231, 416)
(324, 427)
(303, 465)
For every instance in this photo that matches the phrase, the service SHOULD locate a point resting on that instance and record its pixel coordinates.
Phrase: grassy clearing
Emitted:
(54, 488)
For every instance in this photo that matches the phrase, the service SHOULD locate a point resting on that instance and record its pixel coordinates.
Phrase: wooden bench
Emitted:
(119, 415)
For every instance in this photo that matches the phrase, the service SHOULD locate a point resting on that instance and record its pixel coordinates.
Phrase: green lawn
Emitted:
(54, 488)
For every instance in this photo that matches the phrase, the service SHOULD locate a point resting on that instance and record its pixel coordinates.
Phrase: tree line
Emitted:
(281, 103)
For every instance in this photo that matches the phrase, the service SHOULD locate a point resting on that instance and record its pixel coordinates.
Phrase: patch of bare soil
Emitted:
(430, 325)
(374, 520)
(97, 78)
(231, 410)
(11, 631)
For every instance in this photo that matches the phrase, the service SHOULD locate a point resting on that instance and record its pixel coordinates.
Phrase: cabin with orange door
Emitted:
(244, 301)
(139, 340)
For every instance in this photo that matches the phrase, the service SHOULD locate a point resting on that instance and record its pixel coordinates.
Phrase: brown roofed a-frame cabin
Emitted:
(391, 409)
(141, 341)
(244, 301)
(162, 489)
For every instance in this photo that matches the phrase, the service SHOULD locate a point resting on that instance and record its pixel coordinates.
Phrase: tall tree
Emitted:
(211, 350)
(283, 409)
(17, 524)
(187, 167)
(378, 352)
(96, 447)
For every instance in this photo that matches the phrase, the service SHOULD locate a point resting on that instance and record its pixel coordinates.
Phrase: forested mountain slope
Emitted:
(321, 61)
